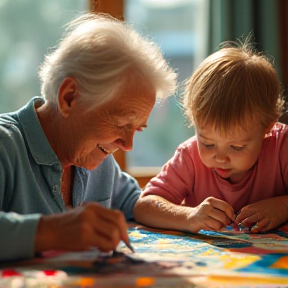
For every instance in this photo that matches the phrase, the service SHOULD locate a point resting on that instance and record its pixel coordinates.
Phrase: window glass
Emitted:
(27, 29)
(176, 26)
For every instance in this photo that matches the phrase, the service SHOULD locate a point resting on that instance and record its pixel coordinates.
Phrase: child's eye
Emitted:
(208, 146)
(237, 148)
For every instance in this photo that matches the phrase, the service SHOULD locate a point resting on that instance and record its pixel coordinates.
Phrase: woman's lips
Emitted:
(102, 149)
(105, 151)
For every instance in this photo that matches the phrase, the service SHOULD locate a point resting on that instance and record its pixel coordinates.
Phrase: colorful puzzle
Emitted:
(229, 252)
(230, 258)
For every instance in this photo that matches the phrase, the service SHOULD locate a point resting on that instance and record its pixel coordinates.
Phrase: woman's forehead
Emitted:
(133, 103)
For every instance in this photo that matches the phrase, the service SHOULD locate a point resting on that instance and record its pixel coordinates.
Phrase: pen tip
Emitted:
(130, 247)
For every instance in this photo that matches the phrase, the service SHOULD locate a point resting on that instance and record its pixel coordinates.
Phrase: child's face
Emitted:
(231, 155)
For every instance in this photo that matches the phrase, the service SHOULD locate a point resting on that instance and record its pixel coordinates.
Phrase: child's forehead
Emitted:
(223, 124)
(234, 133)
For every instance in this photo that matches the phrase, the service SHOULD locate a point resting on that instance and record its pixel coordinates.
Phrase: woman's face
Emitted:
(93, 135)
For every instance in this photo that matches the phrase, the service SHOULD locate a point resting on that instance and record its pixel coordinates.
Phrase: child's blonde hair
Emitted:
(233, 86)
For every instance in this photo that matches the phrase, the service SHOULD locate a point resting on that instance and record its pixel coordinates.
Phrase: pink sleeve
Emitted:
(283, 155)
(176, 178)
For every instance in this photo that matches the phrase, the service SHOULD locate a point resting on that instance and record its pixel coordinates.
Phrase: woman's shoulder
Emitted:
(10, 134)
(8, 127)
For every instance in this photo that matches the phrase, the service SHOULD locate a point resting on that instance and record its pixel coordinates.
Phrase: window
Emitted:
(27, 28)
(171, 24)
(178, 26)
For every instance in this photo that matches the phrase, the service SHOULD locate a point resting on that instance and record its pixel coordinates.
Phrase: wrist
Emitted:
(44, 235)
(186, 220)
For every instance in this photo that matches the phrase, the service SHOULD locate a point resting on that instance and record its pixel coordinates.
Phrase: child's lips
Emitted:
(222, 169)
(222, 172)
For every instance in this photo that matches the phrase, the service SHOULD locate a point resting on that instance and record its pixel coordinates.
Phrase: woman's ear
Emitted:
(67, 95)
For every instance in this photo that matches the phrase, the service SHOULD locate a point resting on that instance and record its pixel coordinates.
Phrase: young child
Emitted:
(235, 169)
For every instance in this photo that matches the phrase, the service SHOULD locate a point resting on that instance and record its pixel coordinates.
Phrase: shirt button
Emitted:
(54, 188)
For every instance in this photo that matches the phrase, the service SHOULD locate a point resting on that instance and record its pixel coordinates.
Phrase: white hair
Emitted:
(95, 51)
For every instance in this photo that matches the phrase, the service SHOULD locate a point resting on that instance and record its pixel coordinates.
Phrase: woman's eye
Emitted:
(237, 148)
(141, 128)
(130, 127)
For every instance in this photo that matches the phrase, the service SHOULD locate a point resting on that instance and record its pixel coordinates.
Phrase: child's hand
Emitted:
(264, 215)
(212, 214)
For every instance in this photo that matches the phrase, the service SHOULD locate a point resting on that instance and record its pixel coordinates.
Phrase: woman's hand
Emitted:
(81, 228)
(264, 215)
(211, 214)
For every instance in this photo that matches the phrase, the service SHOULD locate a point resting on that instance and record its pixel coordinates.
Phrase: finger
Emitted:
(252, 219)
(261, 226)
(120, 221)
(208, 226)
(103, 243)
(244, 214)
(214, 224)
(220, 216)
(107, 235)
(117, 219)
(114, 217)
(107, 215)
(225, 207)
(108, 229)
(206, 223)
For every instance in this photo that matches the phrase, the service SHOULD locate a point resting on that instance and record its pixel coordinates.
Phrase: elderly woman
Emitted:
(58, 177)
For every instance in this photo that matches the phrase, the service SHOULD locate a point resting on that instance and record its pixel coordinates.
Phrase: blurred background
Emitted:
(186, 30)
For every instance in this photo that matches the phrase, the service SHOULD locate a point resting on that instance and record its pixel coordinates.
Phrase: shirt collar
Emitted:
(34, 134)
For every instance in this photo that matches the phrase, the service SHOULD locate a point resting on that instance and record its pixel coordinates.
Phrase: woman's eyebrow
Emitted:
(119, 119)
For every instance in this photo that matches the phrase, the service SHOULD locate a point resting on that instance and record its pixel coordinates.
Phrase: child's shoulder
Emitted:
(189, 143)
(277, 134)
(278, 129)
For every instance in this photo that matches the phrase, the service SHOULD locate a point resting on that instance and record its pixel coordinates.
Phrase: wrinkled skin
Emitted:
(84, 139)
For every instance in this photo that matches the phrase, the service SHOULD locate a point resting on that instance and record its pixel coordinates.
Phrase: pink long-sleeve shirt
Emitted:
(185, 179)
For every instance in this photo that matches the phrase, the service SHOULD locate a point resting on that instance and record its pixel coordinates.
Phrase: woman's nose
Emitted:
(125, 142)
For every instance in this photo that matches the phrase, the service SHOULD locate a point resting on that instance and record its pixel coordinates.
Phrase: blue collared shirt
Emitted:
(30, 177)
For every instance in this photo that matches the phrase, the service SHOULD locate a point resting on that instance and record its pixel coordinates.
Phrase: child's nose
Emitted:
(221, 157)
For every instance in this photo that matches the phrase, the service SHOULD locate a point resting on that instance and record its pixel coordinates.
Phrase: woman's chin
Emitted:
(92, 160)
(92, 165)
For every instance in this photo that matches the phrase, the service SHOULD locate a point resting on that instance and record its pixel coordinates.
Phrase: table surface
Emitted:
(163, 258)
